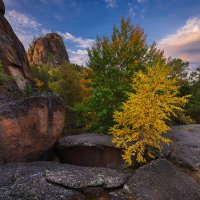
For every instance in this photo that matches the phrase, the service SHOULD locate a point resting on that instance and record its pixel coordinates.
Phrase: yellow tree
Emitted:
(140, 125)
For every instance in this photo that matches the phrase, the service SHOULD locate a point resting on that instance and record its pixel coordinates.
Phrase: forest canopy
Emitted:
(96, 96)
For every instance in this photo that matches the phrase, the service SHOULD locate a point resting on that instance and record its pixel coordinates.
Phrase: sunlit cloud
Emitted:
(184, 43)
(25, 26)
(21, 19)
(79, 57)
(79, 42)
(131, 11)
(111, 3)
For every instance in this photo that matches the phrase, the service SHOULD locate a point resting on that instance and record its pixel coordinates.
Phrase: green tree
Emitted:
(140, 125)
(193, 107)
(180, 71)
(41, 76)
(65, 81)
(113, 62)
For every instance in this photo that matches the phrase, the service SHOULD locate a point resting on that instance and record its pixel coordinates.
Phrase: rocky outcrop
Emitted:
(2, 7)
(91, 150)
(12, 53)
(160, 179)
(48, 180)
(49, 49)
(185, 149)
(83, 177)
(157, 180)
(29, 127)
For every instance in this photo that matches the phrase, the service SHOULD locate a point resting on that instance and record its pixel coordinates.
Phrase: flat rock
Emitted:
(83, 177)
(27, 181)
(87, 140)
(90, 150)
(160, 179)
(185, 150)
(50, 180)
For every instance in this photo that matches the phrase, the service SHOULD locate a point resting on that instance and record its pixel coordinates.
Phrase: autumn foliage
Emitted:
(141, 123)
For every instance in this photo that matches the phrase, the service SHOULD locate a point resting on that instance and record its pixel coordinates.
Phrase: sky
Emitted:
(173, 24)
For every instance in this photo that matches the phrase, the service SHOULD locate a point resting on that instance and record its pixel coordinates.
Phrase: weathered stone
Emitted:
(82, 177)
(27, 181)
(6, 96)
(90, 150)
(29, 127)
(12, 53)
(160, 179)
(2, 7)
(121, 195)
(49, 49)
(42, 180)
(185, 150)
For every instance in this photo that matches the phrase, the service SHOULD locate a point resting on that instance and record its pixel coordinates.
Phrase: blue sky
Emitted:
(173, 24)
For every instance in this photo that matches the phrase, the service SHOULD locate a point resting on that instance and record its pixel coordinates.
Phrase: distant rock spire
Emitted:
(49, 49)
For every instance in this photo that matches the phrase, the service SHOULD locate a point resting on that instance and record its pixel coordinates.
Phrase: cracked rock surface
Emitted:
(49, 180)
(185, 150)
(160, 179)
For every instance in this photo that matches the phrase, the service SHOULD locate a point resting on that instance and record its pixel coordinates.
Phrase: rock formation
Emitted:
(185, 150)
(157, 180)
(12, 53)
(29, 127)
(50, 180)
(2, 7)
(97, 150)
(161, 179)
(49, 49)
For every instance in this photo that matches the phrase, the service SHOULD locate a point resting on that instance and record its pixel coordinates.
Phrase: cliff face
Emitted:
(49, 49)
(2, 7)
(29, 126)
(12, 53)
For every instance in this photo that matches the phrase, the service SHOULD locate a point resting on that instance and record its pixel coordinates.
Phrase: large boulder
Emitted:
(49, 49)
(160, 179)
(48, 180)
(185, 148)
(29, 127)
(90, 150)
(12, 53)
